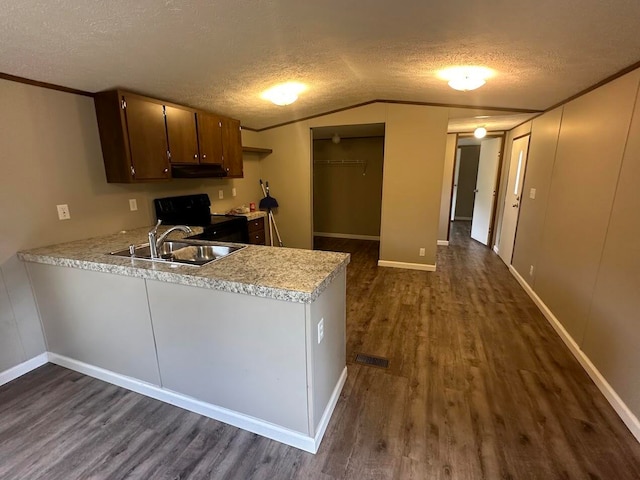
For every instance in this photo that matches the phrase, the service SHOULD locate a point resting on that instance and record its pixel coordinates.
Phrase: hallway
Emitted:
(479, 386)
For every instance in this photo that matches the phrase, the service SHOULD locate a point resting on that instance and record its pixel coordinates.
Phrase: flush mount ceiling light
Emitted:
(284, 94)
(466, 78)
(480, 132)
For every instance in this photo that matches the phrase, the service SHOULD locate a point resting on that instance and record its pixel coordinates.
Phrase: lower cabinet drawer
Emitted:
(257, 238)
(256, 231)
(256, 225)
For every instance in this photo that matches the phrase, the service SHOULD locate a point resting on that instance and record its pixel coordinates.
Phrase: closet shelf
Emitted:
(340, 162)
(258, 150)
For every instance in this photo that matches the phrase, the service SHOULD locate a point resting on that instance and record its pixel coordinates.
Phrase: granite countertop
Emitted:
(249, 216)
(288, 274)
(253, 215)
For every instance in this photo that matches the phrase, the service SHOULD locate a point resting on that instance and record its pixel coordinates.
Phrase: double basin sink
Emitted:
(181, 252)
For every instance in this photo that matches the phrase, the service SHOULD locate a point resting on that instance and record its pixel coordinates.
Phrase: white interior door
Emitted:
(513, 197)
(485, 191)
(455, 184)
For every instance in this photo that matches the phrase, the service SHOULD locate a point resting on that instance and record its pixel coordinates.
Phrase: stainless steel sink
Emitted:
(182, 252)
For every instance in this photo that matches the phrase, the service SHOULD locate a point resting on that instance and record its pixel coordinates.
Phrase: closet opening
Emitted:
(347, 183)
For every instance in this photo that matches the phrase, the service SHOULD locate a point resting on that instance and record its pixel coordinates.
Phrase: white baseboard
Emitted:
(326, 416)
(496, 250)
(245, 422)
(410, 266)
(443, 243)
(347, 235)
(627, 416)
(22, 368)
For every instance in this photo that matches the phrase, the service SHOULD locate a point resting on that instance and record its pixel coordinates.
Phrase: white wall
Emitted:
(580, 233)
(447, 184)
(51, 155)
(415, 141)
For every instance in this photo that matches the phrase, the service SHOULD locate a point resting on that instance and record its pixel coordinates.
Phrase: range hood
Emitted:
(210, 170)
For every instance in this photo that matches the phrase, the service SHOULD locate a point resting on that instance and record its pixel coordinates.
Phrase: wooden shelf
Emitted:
(258, 150)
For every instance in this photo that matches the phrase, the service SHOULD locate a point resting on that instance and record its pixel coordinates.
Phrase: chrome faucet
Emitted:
(154, 243)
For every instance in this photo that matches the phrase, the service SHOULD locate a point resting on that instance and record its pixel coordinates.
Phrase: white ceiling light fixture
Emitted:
(336, 138)
(284, 93)
(466, 78)
(480, 132)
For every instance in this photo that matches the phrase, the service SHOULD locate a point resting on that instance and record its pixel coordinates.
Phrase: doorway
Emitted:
(475, 180)
(347, 181)
(513, 197)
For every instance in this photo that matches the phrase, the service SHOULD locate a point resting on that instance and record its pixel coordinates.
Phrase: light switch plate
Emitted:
(133, 204)
(233, 192)
(220, 194)
(532, 193)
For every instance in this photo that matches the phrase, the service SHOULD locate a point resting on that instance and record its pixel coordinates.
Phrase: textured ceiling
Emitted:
(220, 55)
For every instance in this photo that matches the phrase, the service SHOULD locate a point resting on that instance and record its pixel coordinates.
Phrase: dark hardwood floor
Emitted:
(479, 387)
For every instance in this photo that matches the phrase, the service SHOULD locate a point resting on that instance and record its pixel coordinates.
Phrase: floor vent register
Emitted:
(372, 361)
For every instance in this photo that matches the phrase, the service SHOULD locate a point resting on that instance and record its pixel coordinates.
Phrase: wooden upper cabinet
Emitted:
(133, 137)
(232, 147)
(140, 135)
(209, 138)
(181, 135)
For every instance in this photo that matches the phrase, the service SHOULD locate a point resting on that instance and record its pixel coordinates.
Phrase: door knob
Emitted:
(515, 205)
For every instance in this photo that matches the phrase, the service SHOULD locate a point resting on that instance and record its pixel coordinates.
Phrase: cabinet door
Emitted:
(209, 138)
(181, 134)
(147, 139)
(232, 147)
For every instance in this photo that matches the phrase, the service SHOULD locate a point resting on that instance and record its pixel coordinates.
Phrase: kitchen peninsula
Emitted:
(256, 339)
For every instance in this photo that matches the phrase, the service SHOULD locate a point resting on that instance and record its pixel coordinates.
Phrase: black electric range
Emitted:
(193, 210)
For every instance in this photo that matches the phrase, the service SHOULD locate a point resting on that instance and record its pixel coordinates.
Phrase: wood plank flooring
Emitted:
(479, 387)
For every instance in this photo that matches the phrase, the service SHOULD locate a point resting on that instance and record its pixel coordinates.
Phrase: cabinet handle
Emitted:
(165, 170)
(204, 156)
(227, 169)
(195, 156)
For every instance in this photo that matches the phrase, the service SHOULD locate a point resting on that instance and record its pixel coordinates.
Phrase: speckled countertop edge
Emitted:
(287, 274)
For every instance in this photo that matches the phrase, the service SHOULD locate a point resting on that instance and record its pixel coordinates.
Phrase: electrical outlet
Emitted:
(532, 193)
(220, 194)
(63, 212)
(320, 330)
(531, 269)
(233, 192)
(422, 252)
(133, 204)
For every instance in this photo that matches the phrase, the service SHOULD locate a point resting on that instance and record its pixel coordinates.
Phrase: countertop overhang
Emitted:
(289, 274)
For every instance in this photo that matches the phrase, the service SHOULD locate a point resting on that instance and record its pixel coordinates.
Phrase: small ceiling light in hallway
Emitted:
(480, 132)
(466, 78)
(284, 93)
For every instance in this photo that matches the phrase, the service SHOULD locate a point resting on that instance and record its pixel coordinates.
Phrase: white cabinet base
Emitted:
(252, 362)
(245, 422)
